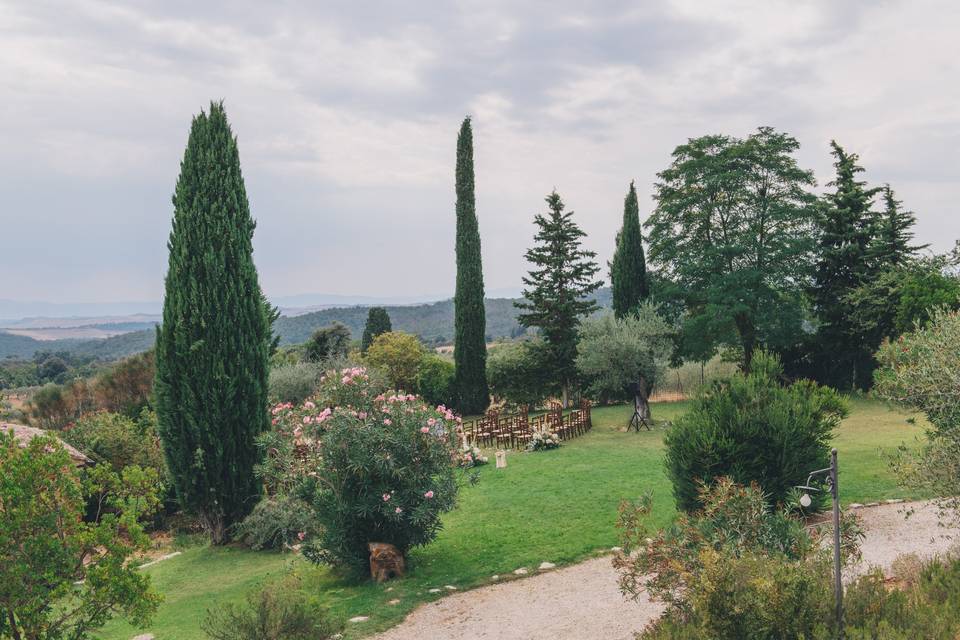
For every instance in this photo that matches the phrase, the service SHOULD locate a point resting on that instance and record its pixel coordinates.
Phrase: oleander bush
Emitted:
(753, 428)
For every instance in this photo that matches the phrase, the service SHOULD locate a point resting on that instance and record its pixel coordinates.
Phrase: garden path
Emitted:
(582, 601)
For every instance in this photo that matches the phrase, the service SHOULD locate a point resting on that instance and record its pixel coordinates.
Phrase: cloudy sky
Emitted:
(347, 113)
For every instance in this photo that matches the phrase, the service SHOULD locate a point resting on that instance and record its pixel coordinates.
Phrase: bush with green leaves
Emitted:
(278, 611)
(277, 522)
(398, 355)
(327, 342)
(752, 428)
(294, 382)
(435, 378)
(518, 373)
(63, 576)
(117, 440)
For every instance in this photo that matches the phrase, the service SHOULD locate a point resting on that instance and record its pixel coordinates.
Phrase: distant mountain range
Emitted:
(433, 322)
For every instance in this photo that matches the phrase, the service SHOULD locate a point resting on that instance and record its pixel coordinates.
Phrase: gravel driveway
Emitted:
(582, 601)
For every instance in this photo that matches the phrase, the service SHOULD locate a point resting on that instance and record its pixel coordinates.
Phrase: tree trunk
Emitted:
(641, 399)
(14, 631)
(565, 392)
(748, 339)
(213, 523)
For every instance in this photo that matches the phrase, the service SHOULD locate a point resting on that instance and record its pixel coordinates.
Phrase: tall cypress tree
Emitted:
(214, 344)
(378, 321)
(628, 270)
(470, 324)
(846, 226)
(560, 284)
(891, 246)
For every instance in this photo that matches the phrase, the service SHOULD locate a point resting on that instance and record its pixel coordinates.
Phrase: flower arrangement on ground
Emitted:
(543, 441)
(471, 456)
(380, 468)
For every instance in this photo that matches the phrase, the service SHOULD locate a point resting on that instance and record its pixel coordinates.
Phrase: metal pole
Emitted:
(838, 578)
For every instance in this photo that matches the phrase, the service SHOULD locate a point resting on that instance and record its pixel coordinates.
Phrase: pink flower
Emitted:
(387, 421)
(301, 535)
(424, 429)
(432, 421)
(398, 510)
(386, 497)
(306, 419)
(362, 415)
(428, 495)
(309, 405)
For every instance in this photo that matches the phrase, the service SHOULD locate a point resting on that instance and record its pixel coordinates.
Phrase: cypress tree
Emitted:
(846, 226)
(628, 270)
(891, 246)
(378, 321)
(213, 346)
(560, 284)
(470, 325)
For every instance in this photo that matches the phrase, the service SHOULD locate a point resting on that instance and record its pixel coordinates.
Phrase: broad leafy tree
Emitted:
(628, 270)
(846, 227)
(328, 342)
(731, 234)
(378, 321)
(558, 289)
(470, 344)
(213, 347)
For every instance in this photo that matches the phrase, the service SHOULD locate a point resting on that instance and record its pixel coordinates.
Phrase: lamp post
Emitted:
(830, 476)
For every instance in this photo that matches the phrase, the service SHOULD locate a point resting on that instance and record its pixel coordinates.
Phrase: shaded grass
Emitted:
(557, 506)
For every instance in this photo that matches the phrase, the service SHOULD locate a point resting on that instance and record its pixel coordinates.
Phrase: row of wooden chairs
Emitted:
(514, 431)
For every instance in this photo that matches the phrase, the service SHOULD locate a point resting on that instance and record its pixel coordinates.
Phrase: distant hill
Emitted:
(433, 322)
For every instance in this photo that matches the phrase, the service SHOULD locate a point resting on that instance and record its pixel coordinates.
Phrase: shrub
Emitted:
(398, 354)
(276, 612)
(62, 576)
(277, 522)
(118, 440)
(753, 429)
(294, 382)
(435, 380)
(328, 342)
(518, 374)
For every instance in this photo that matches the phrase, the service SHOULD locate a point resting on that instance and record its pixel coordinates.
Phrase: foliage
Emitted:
(126, 387)
(386, 474)
(213, 348)
(543, 441)
(890, 245)
(278, 611)
(294, 382)
(731, 231)
(328, 342)
(628, 270)
(617, 356)
(734, 569)
(64, 577)
(118, 441)
(558, 289)
(398, 354)
(53, 406)
(436, 379)
(277, 522)
(519, 374)
(378, 321)
(753, 429)
(919, 370)
(470, 322)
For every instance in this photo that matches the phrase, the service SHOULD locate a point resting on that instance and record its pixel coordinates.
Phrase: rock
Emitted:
(359, 618)
(616, 549)
(894, 501)
(394, 602)
(450, 587)
(144, 636)
(435, 590)
(389, 589)
(522, 571)
(855, 505)
(872, 504)
(546, 566)
(495, 578)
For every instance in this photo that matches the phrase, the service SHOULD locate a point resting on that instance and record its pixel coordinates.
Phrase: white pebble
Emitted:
(522, 571)
(359, 618)
(545, 566)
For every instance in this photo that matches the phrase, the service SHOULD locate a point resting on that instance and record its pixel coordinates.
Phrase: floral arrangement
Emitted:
(470, 456)
(543, 441)
(381, 467)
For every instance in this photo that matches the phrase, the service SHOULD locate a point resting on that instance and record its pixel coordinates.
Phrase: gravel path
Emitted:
(582, 601)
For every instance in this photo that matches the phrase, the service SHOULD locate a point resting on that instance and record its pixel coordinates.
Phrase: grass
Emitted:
(557, 506)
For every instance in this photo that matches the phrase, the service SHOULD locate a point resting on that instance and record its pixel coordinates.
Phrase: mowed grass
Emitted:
(557, 506)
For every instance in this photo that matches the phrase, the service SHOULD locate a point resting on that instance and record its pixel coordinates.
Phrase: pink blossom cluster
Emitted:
(448, 414)
(348, 375)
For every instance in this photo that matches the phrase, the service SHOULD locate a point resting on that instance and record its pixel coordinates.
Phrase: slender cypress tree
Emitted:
(891, 246)
(846, 231)
(560, 284)
(470, 324)
(628, 270)
(378, 321)
(214, 344)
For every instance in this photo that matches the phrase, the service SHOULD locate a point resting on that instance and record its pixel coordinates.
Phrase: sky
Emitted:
(347, 114)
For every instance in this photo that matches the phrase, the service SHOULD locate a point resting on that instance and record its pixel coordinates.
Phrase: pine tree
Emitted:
(846, 227)
(378, 321)
(894, 232)
(213, 346)
(558, 288)
(470, 325)
(628, 270)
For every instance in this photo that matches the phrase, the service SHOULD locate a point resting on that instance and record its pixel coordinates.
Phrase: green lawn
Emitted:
(557, 506)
